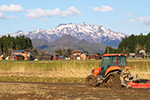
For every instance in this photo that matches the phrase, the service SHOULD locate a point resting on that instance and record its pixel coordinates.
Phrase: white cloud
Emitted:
(132, 20)
(13, 17)
(11, 8)
(70, 11)
(2, 16)
(103, 9)
(145, 20)
(130, 15)
(45, 20)
(38, 13)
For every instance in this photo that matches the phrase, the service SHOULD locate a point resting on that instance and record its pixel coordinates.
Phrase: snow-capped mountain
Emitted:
(91, 33)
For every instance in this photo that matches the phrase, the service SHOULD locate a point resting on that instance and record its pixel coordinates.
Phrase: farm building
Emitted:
(1, 57)
(139, 56)
(21, 55)
(17, 58)
(76, 55)
(51, 56)
(84, 56)
(132, 55)
(47, 56)
(96, 56)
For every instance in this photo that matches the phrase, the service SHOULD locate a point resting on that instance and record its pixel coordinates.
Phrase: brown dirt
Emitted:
(23, 91)
(113, 81)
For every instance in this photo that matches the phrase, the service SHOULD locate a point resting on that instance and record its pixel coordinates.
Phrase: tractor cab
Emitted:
(113, 62)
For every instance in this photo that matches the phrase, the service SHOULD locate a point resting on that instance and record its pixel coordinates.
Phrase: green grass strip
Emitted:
(70, 80)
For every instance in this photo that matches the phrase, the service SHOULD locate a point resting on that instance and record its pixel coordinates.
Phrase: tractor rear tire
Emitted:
(114, 81)
(91, 81)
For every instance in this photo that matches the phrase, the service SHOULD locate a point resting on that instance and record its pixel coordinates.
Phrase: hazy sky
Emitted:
(127, 16)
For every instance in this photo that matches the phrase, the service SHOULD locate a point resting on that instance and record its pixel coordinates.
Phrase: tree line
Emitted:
(8, 44)
(132, 44)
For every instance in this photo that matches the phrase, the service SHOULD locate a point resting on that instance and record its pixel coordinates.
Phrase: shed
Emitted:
(84, 56)
(19, 57)
(47, 56)
(139, 56)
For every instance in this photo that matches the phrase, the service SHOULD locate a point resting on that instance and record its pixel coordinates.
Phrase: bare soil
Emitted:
(29, 91)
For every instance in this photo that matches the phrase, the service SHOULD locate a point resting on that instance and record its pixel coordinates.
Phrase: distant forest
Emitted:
(132, 44)
(8, 44)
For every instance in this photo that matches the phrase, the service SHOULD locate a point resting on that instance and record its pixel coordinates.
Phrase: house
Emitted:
(96, 56)
(142, 51)
(47, 56)
(51, 56)
(21, 55)
(1, 57)
(148, 55)
(75, 55)
(84, 56)
(17, 58)
(132, 55)
(139, 56)
(60, 57)
(54, 56)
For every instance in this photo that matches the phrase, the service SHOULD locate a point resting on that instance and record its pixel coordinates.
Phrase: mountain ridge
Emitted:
(91, 33)
(68, 41)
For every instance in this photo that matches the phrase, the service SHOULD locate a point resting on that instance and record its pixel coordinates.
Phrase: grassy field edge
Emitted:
(70, 80)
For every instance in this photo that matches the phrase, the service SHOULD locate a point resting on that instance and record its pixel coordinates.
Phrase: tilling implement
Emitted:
(115, 73)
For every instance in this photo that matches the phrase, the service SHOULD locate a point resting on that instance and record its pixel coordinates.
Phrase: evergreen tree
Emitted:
(84, 51)
(68, 53)
(8, 44)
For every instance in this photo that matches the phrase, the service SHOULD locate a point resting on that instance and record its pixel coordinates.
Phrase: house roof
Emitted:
(60, 57)
(54, 53)
(47, 54)
(76, 51)
(85, 54)
(97, 53)
(18, 51)
(139, 53)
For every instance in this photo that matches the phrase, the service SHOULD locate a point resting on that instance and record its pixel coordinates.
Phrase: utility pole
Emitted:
(62, 50)
(108, 49)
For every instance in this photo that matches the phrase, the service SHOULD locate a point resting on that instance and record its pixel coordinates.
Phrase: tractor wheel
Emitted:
(114, 81)
(91, 81)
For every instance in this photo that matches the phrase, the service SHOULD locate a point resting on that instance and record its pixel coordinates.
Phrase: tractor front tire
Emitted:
(91, 81)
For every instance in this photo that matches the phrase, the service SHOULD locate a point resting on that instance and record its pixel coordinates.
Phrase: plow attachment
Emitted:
(141, 83)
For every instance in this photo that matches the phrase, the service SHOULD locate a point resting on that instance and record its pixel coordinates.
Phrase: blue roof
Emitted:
(60, 56)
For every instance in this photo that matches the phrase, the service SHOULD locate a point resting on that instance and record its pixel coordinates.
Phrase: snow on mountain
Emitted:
(91, 33)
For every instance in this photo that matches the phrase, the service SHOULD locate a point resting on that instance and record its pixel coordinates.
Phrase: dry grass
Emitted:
(141, 67)
(48, 68)
(65, 69)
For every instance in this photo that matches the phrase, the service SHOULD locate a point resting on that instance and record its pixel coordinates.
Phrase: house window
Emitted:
(75, 54)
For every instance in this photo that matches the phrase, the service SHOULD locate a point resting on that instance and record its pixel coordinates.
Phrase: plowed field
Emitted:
(29, 91)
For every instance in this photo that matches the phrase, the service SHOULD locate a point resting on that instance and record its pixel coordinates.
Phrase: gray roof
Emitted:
(47, 54)
(54, 53)
(18, 51)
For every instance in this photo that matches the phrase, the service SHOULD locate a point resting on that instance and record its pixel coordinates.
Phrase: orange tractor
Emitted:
(115, 72)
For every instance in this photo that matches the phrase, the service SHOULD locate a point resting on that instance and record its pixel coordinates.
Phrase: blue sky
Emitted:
(127, 16)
